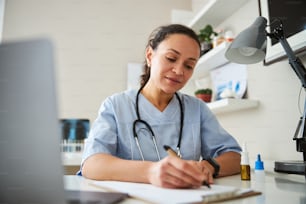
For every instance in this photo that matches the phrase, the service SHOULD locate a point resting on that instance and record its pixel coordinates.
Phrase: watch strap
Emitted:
(216, 166)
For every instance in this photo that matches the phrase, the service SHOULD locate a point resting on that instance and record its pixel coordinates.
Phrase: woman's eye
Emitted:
(171, 59)
(188, 66)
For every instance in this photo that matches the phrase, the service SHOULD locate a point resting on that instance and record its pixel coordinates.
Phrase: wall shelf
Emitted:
(231, 105)
(214, 13)
(210, 60)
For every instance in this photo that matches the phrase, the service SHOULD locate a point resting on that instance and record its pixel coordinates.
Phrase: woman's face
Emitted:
(172, 62)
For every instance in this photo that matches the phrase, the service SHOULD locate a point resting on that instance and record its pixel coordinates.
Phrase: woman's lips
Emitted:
(173, 79)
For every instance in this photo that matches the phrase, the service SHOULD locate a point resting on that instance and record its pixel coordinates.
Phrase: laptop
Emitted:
(31, 168)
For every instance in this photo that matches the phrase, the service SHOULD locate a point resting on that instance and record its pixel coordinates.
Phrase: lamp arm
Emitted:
(299, 69)
(294, 61)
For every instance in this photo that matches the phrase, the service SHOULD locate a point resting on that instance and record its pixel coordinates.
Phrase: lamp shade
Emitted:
(250, 45)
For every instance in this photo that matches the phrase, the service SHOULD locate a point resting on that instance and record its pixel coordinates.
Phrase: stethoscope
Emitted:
(139, 120)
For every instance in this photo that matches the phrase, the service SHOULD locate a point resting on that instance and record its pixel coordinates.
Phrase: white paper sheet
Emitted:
(163, 195)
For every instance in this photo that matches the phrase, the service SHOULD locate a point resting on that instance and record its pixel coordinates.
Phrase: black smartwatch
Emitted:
(216, 166)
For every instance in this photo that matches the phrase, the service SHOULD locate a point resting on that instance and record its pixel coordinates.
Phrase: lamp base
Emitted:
(290, 167)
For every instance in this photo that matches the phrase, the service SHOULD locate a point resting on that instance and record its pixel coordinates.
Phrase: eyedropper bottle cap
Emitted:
(259, 165)
(244, 155)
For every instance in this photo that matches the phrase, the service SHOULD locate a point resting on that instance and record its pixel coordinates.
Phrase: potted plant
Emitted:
(206, 36)
(204, 94)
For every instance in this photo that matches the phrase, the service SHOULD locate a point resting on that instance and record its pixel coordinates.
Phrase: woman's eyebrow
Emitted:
(177, 52)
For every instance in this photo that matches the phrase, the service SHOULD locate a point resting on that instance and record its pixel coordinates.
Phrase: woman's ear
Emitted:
(149, 53)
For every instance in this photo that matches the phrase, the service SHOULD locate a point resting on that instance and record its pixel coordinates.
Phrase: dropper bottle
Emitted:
(245, 169)
(259, 169)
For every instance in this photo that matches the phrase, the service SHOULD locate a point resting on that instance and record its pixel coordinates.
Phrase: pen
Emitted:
(206, 184)
(171, 152)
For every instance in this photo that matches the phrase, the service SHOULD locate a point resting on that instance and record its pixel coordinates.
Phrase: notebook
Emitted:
(31, 170)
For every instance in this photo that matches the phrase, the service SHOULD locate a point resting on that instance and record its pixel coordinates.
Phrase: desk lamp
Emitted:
(250, 47)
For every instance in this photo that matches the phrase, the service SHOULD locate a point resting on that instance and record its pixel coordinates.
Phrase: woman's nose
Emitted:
(178, 69)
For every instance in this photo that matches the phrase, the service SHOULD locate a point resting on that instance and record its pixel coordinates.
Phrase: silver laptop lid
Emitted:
(30, 170)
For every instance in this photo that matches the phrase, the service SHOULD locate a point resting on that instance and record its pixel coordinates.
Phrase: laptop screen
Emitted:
(30, 169)
(30, 138)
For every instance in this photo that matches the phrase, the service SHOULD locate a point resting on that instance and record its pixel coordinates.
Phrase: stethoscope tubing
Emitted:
(139, 120)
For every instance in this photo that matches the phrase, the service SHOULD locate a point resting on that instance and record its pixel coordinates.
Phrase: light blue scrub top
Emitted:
(112, 131)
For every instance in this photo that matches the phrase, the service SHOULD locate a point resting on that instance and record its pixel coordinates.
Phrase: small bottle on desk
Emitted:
(245, 169)
(259, 169)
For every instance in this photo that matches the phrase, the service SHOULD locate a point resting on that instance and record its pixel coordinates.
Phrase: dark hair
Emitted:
(159, 35)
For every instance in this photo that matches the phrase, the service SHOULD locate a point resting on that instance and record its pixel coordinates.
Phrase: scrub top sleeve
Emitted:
(103, 133)
(215, 139)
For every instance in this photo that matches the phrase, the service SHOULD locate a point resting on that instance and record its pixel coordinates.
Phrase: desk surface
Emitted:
(276, 188)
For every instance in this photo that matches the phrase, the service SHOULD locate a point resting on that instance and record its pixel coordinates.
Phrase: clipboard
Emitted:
(153, 194)
(242, 193)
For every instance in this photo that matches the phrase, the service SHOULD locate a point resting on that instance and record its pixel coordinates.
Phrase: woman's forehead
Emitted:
(181, 43)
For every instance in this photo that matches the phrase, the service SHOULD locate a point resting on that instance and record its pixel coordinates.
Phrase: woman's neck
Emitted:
(157, 97)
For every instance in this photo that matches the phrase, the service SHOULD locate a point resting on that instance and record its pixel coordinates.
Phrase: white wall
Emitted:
(268, 129)
(94, 39)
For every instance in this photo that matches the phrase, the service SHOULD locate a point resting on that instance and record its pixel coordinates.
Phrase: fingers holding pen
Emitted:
(187, 171)
(173, 172)
(182, 173)
(208, 177)
(163, 174)
(206, 172)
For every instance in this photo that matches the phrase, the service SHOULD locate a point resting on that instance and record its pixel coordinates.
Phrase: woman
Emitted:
(126, 142)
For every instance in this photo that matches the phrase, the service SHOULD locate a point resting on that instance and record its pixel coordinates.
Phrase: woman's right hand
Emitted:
(173, 172)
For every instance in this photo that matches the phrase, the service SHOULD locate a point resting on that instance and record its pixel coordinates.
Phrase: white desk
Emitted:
(277, 188)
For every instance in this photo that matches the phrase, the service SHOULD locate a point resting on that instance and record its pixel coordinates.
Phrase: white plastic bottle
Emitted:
(259, 170)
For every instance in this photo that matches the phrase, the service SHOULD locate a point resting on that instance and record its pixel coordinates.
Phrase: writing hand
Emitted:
(173, 172)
